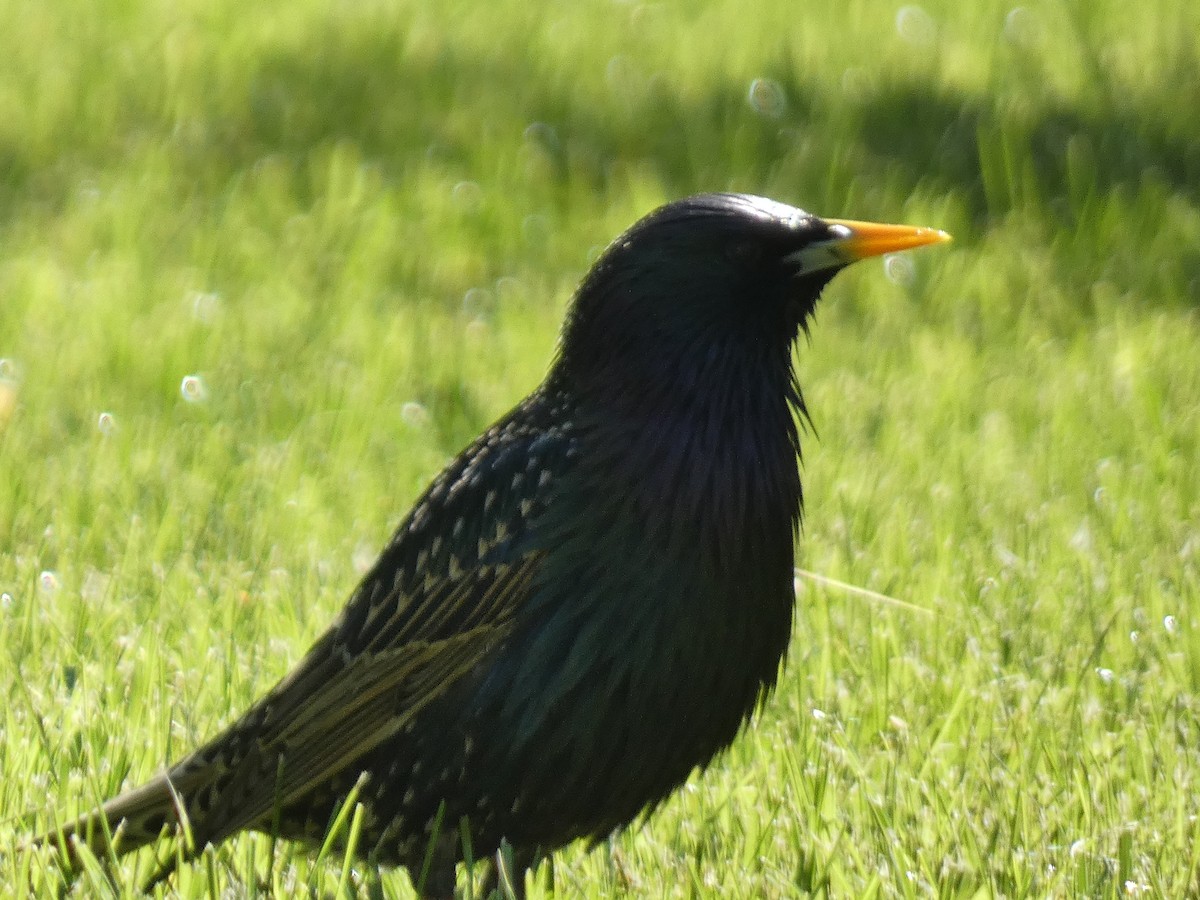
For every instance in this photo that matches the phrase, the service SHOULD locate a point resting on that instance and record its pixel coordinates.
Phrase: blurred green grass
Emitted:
(359, 224)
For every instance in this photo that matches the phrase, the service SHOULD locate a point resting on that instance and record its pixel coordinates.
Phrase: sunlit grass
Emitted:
(264, 268)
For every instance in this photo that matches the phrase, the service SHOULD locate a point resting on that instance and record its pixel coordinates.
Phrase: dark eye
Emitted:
(745, 253)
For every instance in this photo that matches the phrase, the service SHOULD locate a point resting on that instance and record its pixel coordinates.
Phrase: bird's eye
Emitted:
(746, 253)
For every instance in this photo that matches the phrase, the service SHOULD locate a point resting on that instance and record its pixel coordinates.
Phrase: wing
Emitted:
(442, 597)
(347, 706)
(443, 594)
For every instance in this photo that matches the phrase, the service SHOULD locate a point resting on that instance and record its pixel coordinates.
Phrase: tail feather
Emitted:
(306, 733)
(123, 824)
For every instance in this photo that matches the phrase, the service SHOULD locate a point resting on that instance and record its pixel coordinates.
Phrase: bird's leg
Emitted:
(373, 881)
(510, 878)
(440, 883)
(511, 866)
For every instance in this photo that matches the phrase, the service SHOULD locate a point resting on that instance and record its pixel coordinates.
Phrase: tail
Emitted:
(129, 822)
(321, 721)
(121, 825)
(192, 801)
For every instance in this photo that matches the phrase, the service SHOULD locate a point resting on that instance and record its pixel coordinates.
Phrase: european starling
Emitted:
(590, 600)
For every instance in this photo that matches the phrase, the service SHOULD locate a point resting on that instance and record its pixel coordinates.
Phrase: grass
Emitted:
(357, 226)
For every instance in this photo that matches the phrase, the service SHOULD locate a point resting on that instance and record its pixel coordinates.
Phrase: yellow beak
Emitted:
(870, 239)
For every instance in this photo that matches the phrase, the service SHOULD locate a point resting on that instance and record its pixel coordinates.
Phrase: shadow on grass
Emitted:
(403, 110)
(938, 135)
(994, 155)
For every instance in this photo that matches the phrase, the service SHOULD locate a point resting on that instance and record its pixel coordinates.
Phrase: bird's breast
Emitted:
(669, 574)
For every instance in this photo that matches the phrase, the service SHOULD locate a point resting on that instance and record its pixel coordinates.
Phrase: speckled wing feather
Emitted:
(362, 706)
(441, 597)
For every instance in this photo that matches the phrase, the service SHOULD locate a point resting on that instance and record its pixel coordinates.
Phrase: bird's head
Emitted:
(709, 276)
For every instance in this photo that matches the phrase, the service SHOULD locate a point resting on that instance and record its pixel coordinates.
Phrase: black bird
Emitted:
(585, 606)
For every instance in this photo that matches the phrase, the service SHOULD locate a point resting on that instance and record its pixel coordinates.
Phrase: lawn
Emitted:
(265, 267)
